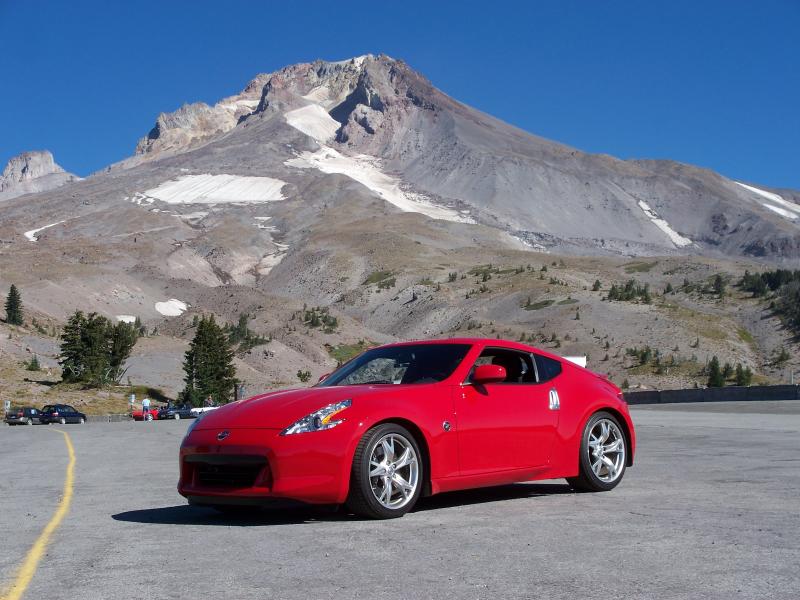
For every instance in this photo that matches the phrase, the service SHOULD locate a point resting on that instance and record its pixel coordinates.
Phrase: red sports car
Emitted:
(412, 419)
(140, 415)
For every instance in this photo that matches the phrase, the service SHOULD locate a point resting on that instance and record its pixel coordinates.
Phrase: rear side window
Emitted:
(518, 365)
(548, 368)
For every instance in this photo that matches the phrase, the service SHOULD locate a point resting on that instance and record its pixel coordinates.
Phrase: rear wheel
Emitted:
(63, 421)
(177, 417)
(603, 454)
(387, 473)
(29, 422)
(149, 417)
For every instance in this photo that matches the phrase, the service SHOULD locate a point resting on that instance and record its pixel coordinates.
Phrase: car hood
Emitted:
(278, 410)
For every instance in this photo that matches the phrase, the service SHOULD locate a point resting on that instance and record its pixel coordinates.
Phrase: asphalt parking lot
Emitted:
(710, 510)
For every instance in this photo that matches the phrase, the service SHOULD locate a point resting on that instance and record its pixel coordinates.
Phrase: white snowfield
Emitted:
(366, 171)
(171, 307)
(31, 235)
(215, 189)
(662, 224)
(126, 318)
(786, 209)
(315, 122)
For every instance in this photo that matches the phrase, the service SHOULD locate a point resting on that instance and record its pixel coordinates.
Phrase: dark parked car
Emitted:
(184, 411)
(61, 413)
(22, 416)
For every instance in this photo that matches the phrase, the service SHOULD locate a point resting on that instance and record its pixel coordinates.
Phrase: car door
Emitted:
(70, 414)
(506, 425)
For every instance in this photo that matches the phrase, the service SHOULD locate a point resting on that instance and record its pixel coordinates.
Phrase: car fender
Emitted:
(440, 446)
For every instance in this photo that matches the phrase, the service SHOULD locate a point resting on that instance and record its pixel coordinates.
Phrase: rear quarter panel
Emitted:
(582, 394)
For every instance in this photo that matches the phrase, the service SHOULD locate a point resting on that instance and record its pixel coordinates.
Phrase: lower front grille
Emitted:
(235, 474)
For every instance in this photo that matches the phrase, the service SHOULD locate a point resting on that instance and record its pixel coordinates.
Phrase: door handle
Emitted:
(554, 400)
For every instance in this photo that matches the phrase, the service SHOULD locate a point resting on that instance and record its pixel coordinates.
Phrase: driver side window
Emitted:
(519, 366)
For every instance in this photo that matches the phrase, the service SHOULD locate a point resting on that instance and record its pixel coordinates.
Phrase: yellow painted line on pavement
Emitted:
(28, 567)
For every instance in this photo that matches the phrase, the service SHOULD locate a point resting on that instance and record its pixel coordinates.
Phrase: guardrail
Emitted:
(755, 393)
(108, 418)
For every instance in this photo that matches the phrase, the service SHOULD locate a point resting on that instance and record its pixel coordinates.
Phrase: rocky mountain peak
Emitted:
(27, 166)
(33, 171)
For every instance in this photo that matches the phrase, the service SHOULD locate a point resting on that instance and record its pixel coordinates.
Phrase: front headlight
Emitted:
(319, 420)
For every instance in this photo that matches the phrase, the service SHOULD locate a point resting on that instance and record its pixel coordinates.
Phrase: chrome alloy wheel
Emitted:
(606, 449)
(393, 471)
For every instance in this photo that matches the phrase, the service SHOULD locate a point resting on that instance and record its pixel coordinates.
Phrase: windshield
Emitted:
(421, 363)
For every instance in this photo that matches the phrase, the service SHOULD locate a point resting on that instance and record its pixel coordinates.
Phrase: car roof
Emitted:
(472, 341)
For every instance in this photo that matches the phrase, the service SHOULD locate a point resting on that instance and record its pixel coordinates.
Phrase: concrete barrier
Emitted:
(753, 393)
(108, 418)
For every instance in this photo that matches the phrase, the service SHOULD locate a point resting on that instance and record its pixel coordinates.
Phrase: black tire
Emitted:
(81, 421)
(362, 500)
(177, 417)
(587, 480)
(29, 422)
(63, 421)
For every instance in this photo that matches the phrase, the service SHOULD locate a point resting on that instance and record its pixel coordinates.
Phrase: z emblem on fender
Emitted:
(223, 434)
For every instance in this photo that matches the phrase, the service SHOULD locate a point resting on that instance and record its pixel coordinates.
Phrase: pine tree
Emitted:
(72, 350)
(715, 378)
(33, 364)
(123, 338)
(719, 285)
(14, 306)
(93, 350)
(743, 375)
(208, 365)
(727, 371)
(596, 286)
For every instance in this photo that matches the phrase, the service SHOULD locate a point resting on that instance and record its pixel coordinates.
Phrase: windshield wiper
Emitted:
(375, 382)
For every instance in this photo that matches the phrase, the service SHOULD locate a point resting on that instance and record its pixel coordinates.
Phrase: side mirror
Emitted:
(323, 377)
(484, 374)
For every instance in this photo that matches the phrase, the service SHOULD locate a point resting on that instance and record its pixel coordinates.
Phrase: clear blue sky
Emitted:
(713, 83)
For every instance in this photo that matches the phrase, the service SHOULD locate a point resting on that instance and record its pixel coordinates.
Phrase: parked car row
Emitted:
(64, 413)
(169, 411)
(52, 413)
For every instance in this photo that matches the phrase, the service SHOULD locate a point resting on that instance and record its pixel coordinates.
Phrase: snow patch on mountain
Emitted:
(126, 318)
(676, 238)
(366, 171)
(172, 307)
(314, 121)
(214, 189)
(787, 209)
(781, 211)
(32, 234)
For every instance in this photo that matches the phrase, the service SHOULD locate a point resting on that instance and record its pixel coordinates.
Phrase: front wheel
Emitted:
(177, 417)
(149, 417)
(603, 454)
(63, 421)
(29, 422)
(387, 473)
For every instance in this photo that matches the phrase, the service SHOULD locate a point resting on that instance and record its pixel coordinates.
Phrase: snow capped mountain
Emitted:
(32, 172)
(373, 118)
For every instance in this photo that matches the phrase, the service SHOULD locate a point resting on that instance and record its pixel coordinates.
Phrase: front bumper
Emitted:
(253, 466)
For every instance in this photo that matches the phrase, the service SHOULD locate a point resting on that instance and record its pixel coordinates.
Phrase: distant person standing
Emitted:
(145, 408)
